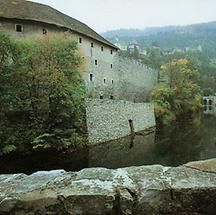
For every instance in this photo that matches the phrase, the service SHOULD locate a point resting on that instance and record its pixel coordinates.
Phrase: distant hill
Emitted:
(203, 34)
(138, 32)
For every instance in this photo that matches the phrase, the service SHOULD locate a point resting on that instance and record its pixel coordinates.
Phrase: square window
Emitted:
(19, 28)
(96, 62)
(44, 31)
(101, 97)
(111, 97)
(92, 45)
(80, 40)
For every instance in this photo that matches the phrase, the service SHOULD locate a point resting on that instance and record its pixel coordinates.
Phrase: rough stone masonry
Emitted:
(188, 189)
(112, 119)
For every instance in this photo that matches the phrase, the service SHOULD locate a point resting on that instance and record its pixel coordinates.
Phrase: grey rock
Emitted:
(109, 119)
(140, 190)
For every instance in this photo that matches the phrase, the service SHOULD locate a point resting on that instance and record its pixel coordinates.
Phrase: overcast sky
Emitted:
(103, 15)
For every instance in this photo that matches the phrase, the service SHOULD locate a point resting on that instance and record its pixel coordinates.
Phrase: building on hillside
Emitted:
(28, 19)
(198, 48)
(102, 74)
(209, 103)
(172, 51)
(143, 52)
(107, 75)
(133, 47)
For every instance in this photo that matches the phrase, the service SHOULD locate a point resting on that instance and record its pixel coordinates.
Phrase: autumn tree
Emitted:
(180, 94)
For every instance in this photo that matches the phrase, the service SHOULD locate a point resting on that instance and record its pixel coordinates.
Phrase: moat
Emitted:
(170, 146)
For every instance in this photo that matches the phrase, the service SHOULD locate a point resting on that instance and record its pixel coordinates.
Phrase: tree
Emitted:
(42, 97)
(154, 57)
(181, 93)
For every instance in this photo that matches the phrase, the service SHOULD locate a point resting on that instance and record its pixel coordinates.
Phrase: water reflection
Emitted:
(186, 142)
(171, 146)
(123, 153)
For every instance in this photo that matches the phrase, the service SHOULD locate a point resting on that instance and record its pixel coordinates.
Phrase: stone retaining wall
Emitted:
(112, 119)
(188, 190)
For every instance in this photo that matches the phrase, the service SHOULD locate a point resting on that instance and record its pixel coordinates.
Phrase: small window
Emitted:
(96, 62)
(104, 80)
(91, 77)
(92, 45)
(102, 48)
(80, 40)
(112, 81)
(111, 66)
(111, 97)
(44, 31)
(205, 102)
(101, 97)
(111, 51)
(205, 108)
(210, 102)
(19, 28)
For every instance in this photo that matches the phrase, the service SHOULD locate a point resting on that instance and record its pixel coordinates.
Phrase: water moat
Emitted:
(170, 146)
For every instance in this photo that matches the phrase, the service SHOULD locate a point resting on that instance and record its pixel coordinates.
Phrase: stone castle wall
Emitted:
(99, 75)
(106, 74)
(109, 119)
(135, 80)
(108, 77)
(117, 77)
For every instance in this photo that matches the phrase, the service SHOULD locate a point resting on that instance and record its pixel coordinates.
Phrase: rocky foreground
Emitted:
(146, 190)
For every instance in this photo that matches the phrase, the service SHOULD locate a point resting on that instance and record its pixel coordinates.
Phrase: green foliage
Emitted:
(7, 49)
(61, 138)
(162, 97)
(41, 139)
(8, 149)
(154, 57)
(208, 91)
(201, 62)
(179, 95)
(41, 92)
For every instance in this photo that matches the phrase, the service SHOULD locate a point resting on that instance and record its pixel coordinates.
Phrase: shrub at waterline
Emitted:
(40, 93)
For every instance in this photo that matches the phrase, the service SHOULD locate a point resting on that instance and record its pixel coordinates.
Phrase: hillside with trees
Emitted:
(170, 37)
